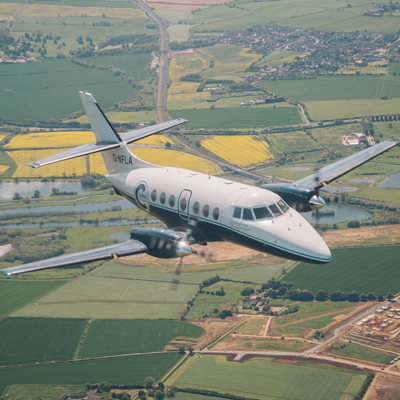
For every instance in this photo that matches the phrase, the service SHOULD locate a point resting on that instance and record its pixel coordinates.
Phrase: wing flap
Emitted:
(103, 253)
(334, 171)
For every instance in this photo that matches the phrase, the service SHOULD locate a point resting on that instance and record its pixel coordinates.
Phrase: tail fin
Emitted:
(116, 155)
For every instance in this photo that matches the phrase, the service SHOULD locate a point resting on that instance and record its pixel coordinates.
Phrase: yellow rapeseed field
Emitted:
(2, 137)
(240, 150)
(51, 139)
(9, 8)
(155, 140)
(3, 168)
(69, 167)
(167, 158)
(39, 10)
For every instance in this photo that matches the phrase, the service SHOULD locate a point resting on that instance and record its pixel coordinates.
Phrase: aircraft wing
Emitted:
(334, 171)
(127, 248)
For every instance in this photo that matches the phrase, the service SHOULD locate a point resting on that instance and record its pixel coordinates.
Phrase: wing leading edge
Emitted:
(334, 171)
(103, 253)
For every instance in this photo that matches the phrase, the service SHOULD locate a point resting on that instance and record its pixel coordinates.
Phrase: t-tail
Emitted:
(113, 146)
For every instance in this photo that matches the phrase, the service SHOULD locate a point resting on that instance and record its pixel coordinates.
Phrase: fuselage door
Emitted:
(183, 203)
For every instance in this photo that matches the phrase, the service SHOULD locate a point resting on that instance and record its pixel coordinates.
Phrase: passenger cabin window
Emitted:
(206, 210)
(262, 213)
(154, 195)
(275, 210)
(183, 204)
(196, 207)
(163, 197)
(247, 214)
(237, 213)
(216, 213)
(283, 206)
(172, 200)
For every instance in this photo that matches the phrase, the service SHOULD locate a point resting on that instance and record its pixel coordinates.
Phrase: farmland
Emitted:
(117, 370)
(32, 91)
(110, 337)
(239, 150)
(14, 295)
(97, 297)
(358, 351)
(248, 378)
(134, 65)
(368, 269)
(28, 340)
(239, 118)
(34, 392)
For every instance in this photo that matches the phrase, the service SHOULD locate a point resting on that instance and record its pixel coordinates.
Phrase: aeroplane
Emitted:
(198, 208)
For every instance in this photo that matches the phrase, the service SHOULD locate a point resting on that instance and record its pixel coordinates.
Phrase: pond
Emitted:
(342, 213)
(393, 181)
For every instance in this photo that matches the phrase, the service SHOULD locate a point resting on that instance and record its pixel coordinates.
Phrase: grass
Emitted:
(14, 295)
(97, 297)
(337, 88)
(179, 33)
(206, 303)
(36, 88)
(307, 381)
(296, 345)
(253, 327)
(28, 340)
(239, 150)
(316, 323)
(134, 65)
(239, 118)
(118, 370)
(360, 352)
(364, 269)
(110, 337)
(35, 392)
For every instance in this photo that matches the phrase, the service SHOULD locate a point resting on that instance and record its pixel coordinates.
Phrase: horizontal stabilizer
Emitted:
(103, 253)
(334, 171)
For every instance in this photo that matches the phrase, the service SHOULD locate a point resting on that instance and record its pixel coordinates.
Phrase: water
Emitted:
(91, 207)
(365, 180)
(342, 213)
(26, 189)
(299, 169)
(393, 181)
(335, 189)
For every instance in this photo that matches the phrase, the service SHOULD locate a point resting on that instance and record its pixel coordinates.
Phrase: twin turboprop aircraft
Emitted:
(198, 208)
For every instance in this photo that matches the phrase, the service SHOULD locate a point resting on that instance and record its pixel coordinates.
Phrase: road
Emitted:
(163, 65)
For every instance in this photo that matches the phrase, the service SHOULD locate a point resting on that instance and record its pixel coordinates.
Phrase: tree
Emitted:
(181, 349)
(247, 291)
(168, 145)
(212, 107)
(159, 395)
(353, 297)
(380, 298)
(17, 196)
(390, 296)
(306, 295)
(321, 295)
(190, 349)
(36, 194)
(371, 296)
(363, 298)
(149, 382)
(80, 40)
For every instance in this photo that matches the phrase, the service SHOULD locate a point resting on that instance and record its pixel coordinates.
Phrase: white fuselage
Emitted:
(224, 210)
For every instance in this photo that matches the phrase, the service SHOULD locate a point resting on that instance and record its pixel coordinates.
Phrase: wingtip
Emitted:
(33, 165)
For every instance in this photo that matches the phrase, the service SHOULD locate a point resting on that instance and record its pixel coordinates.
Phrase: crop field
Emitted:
(14, 295)
(8, 8)
(364, 269)
(28, 340)
(134, 65)
(239, 150)
(188, 97)
(34, 392)
(227, 59)
(295, 381)
(32, 91)
(3, 168)
(41, 10)
(111, 337)
(97, 297)
(239, 118)
(178, 32)
(337, 88)
(275, 55)
(119, 370)
(360, 352)
(253, 326)
(300, 14)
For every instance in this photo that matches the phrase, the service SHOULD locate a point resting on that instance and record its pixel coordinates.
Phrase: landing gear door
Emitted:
(183, 203)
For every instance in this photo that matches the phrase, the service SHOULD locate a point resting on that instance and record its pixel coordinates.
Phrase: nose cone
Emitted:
(301, 240)
(183, 249)
(317, 202)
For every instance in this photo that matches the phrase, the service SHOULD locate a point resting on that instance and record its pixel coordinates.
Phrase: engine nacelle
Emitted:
(301, 198)
(162, 243)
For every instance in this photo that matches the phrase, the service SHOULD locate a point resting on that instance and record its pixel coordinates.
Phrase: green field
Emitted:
(28, 340)
(118, 370)
(265, 378)
(297, 345)
(16, 294)
(25, 97)
(110, 337)
(134, 65)
(353, 350)
(365, 269)
(316, 323)
(239, 118)
(36, 392)
(97, 297)
(337, 88)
